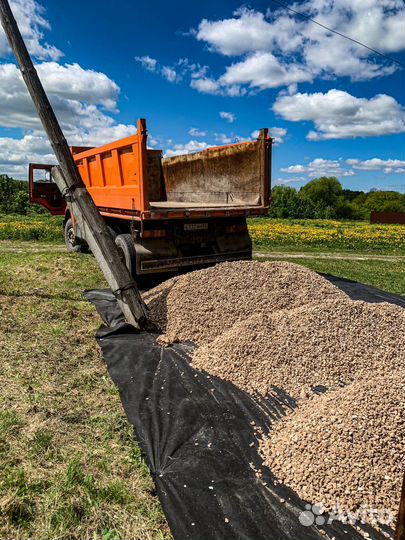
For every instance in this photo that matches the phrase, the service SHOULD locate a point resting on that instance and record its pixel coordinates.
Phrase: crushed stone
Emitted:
(199, 306)
(345, 449)
(323, 345)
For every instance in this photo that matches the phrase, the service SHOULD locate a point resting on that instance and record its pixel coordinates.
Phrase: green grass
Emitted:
(70, 466)
(386, 275)
(42, 227)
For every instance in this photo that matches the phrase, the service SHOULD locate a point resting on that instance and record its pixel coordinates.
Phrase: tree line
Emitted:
(14, 197)
(325, 198)
(321, 198)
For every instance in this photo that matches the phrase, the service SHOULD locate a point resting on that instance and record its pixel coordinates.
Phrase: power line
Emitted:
(338, 33)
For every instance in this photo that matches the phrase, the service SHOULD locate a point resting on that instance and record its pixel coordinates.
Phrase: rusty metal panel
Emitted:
(388, 217)
(228, 175)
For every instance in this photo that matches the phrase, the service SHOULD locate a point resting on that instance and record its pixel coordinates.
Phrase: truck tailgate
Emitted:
(235, 176)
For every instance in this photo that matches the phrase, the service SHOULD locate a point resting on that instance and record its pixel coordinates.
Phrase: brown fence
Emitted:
(387, 217)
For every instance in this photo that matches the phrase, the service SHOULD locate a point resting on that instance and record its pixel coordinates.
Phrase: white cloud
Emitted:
(279, 48)
(228, 116)
(328, 167)
(13, 151)
(223, 138)
(389, 166)
(14, 154)
(175, 73)
(187, 148)
(331, 57)
(295, 169)
(319, 167)
(278, 135)
(147, 62)
(29, 15)
(83, 99)
(71, 81)
(225, 35)
(391, 170)
(286, 181)
(195, 132)
(263, 70)
(74, 92)
(170, 74)
(34, 147)
(206, 85)
(97, 135)
(339, 115)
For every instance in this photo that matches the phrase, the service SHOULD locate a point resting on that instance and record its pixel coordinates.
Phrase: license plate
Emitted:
(195, 226)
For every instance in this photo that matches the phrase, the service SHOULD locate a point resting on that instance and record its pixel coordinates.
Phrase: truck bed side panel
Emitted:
(114, 174)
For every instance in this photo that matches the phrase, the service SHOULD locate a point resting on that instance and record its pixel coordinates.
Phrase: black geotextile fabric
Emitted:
(199, 437)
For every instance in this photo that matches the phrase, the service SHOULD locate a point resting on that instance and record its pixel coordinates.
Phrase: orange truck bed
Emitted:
(126, 178)
(139, 192)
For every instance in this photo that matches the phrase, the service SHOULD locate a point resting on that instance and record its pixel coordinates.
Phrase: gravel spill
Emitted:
(345, 447)
(201, 305)
(328, 344)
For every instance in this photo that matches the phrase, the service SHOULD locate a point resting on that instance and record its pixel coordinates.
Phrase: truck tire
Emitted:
(70, 239)
(126, 249)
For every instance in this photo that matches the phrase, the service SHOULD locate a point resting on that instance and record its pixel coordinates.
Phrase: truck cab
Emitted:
(43, 189)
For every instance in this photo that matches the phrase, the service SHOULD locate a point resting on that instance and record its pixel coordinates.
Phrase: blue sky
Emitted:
(333, 107)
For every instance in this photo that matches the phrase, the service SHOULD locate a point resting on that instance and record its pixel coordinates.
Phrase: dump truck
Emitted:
(166, 213)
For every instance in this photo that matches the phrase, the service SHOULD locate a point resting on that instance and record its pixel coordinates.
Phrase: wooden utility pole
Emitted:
(72, 186)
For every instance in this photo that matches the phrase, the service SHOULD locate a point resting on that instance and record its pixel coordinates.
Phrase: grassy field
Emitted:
(314, 235)
(70, 467)
(388, 274)
(267, 234)
(42, 227)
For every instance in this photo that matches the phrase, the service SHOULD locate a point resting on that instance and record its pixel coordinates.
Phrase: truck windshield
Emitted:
(42, 176)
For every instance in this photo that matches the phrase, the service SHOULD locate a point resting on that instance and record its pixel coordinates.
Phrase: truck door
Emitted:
(43, 189)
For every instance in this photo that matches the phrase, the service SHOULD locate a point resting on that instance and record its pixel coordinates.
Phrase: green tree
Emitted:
(8, 192)
(344, 209)
(385, 201)
(351, 195)
(14, 197)
(21, 203)
(284, 202)
(323, 192)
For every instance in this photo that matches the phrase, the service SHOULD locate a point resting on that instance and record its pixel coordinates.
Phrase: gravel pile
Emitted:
(328, 344)
(345, 446)
(266, 325)
(199, 306)
(156, 300)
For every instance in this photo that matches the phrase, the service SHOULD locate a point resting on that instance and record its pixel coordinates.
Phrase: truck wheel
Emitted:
(70, 239)
(126, 249)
